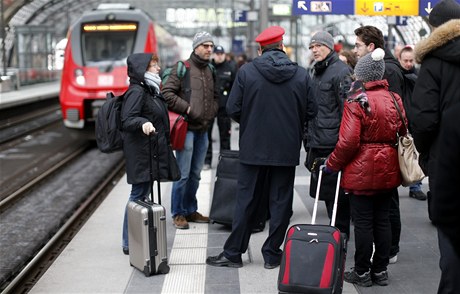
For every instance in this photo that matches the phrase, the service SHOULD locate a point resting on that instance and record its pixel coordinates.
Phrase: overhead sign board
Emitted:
(365, 7)
(320, 7)
(386, 7)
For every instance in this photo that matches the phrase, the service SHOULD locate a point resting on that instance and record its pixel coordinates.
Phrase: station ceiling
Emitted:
(212, 16)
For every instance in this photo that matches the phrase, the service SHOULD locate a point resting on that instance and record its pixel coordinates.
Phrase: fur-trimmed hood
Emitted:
(443, 43)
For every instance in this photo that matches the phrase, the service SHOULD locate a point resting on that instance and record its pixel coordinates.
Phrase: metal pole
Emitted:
(3, 27)
(263, 15)
(251, 43)
(233, 26)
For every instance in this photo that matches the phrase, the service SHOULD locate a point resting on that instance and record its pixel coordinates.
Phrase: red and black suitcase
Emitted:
(314, 255)
(147, 233)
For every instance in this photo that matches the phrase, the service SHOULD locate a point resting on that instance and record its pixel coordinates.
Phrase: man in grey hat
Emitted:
(334, 79)
(199, 103)
(435, 94)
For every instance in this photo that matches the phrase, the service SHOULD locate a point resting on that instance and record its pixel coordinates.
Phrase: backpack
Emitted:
(184, 75)
(109, 136)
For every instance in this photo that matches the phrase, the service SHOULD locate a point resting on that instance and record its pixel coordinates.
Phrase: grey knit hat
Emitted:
(323, 38)
(371, 66)
(444, 11)
(201, 38)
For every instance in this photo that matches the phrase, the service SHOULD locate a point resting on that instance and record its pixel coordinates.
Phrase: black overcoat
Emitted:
(435, 91)
(271, 98)
(141, 105)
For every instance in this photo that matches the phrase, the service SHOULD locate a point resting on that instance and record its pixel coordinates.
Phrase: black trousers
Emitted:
(395, 222)
(449, 263)
(280, 196)
(342, 220)
(224, 123)
(372, 225)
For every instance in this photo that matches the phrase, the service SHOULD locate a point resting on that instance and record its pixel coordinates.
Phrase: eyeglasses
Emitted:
(358, 45)
(207, 46)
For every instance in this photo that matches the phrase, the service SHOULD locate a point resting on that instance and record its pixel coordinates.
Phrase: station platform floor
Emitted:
(93, 261)
(29, 94)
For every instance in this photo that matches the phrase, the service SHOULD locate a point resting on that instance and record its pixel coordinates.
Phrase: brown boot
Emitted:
(180, 222)
(197, 217)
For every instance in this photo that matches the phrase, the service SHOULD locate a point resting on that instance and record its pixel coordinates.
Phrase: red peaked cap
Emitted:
(270, 35)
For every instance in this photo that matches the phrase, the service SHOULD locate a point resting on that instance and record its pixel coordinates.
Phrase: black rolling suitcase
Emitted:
(147, 233)
(225, 187)
(225, 190)
(314, 255)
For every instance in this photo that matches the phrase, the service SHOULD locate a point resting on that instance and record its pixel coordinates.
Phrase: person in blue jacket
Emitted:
(271, 98)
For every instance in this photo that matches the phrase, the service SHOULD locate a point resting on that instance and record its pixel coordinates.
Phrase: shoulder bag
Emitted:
(408, 155)
(178, 130)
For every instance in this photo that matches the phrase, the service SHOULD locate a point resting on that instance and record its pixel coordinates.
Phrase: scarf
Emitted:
(153, 80)
(358, 94)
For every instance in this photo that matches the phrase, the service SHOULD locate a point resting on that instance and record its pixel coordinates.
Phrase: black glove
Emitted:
(325, 169)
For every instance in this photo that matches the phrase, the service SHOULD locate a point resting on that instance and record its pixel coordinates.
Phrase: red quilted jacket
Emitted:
(366, 151)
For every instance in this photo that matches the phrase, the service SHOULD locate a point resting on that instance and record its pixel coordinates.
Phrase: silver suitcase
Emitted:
(147, 234)
(147, 237)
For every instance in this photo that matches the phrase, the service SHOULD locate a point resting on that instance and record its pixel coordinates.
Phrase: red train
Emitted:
(95, 58)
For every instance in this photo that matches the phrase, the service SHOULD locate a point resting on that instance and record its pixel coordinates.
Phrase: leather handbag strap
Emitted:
(399, 111)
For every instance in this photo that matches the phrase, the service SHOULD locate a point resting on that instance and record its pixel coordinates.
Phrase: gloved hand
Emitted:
(148, 128)
(325, 169)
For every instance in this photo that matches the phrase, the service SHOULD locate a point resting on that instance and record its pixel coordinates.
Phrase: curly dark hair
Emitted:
(370, 34)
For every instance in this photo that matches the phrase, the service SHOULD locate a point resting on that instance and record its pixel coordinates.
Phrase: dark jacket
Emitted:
(204, 96)
(141, 105)
(333, 79)
(366, 149)
(446, 203)
(393, 74)
(271, 98)
(436, 90)
(226, 73)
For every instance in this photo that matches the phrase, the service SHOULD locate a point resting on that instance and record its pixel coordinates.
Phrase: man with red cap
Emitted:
(272, 97)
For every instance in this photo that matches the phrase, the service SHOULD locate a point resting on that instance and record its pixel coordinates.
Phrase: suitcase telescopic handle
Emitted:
(157, 155)
(315, 206)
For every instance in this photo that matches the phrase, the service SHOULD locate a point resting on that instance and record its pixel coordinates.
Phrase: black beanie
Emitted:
(444, 11)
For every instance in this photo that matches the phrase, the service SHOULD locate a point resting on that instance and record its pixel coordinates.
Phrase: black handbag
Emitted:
(315, 158)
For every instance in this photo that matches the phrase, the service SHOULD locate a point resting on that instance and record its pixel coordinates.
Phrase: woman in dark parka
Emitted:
(144, 114)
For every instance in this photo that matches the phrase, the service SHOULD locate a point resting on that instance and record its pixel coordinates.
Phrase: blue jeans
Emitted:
(190, 161)
(138, 192)
(416, 187)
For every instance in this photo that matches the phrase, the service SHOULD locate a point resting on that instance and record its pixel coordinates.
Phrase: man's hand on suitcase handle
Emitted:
(317, 163)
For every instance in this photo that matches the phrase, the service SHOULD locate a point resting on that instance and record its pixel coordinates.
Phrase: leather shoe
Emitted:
(125, 251)
(419, 195)
(221, 260)
(271, 266)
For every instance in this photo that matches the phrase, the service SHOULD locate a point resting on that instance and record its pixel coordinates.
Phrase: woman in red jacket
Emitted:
(367, 155)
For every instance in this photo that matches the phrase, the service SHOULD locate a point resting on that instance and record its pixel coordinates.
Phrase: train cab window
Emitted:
(107, 43)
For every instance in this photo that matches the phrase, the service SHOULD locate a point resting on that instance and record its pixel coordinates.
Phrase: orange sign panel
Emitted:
(387, 7)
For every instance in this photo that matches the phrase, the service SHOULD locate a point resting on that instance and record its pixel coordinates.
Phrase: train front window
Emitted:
(102, 42)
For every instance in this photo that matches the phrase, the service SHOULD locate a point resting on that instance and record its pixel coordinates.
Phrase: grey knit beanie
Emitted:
(444, 11)
(201, 38)
(323, 38)
(371, 66)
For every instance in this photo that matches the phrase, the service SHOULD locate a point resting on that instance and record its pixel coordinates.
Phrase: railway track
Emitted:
(51, 183)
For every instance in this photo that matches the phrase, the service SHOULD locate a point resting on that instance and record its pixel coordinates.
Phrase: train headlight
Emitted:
(79, 78)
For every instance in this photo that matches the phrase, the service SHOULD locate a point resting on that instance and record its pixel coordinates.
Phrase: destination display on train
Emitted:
(364, 7)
